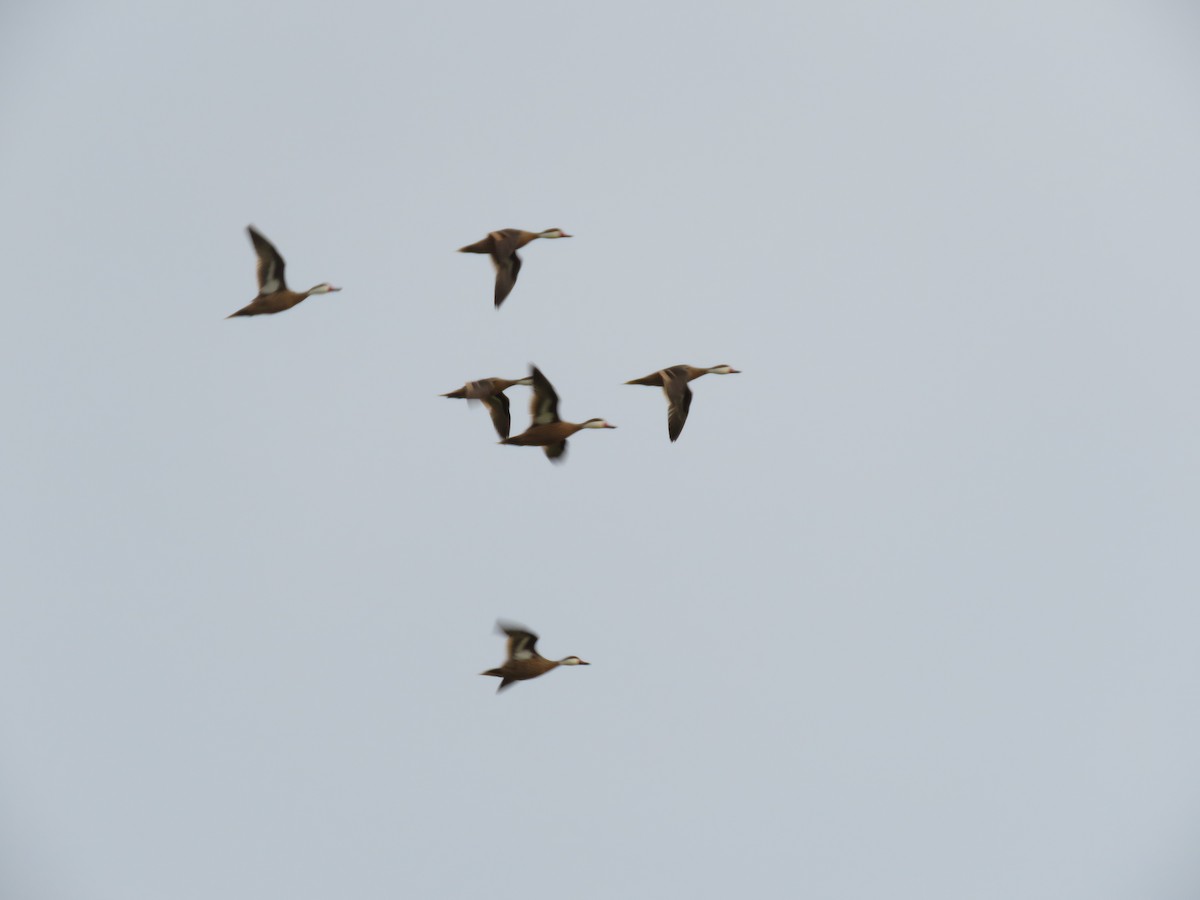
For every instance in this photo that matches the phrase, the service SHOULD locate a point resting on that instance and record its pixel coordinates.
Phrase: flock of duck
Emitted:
(546, 429)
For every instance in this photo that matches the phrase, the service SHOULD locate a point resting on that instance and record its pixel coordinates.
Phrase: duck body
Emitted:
(549, 434)
(502, 246)
(268, 304)
(273, 294)
(546, 429)
(674, 382)
(490, 392)
(523, 661)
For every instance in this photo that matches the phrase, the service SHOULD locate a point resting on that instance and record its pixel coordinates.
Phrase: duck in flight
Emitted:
(503, 245)
(547, 430)
(273, 294)
(524, 662)
(674, 382)
(490, 391)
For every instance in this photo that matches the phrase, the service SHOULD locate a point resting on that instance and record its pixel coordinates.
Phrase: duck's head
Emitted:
(323, 288)
(724, 369)
(553, 233)
(573, 661)
(597, 423)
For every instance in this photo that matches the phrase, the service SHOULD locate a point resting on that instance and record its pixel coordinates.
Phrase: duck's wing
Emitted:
(507, 269)
(543, 407)
(270, 264)
(522, 643)
(497, 405)
(556, 453)
(679, 400)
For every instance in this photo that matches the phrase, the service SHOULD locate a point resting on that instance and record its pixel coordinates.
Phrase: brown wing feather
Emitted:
(543, 407)
(519, 639)
(270, 264)
(507, 269)
(679, 401)
(497, 405)
(556, 452)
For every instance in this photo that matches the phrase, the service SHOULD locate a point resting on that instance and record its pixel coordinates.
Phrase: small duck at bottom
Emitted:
(490, 391)
(547, 430)
(502, 246)
(524, 662)
(273, 294)
(674, 382)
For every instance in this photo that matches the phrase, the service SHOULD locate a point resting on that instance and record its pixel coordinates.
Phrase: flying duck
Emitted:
(503, 246)
(524, 662)
(273, 295)
(547, 430)
(491, 392)
(674, 382)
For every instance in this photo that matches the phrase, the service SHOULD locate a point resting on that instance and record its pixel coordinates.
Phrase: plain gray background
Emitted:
(910, 610)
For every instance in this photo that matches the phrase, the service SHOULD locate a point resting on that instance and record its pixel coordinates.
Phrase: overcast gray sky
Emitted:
(909, 611)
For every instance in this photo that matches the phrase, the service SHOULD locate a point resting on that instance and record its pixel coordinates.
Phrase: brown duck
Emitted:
(503, 245)
(524, 662)
(273, 295)
(547, 430)
(674, 382)
(490, 391)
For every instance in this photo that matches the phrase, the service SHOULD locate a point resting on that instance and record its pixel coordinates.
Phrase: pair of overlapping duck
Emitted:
(546, 429)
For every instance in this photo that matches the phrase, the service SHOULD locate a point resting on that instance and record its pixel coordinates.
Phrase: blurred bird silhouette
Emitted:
(490, 392)
(547, 430)
(273, 295)
(524, 662)
(674, 382)
(502, 246)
